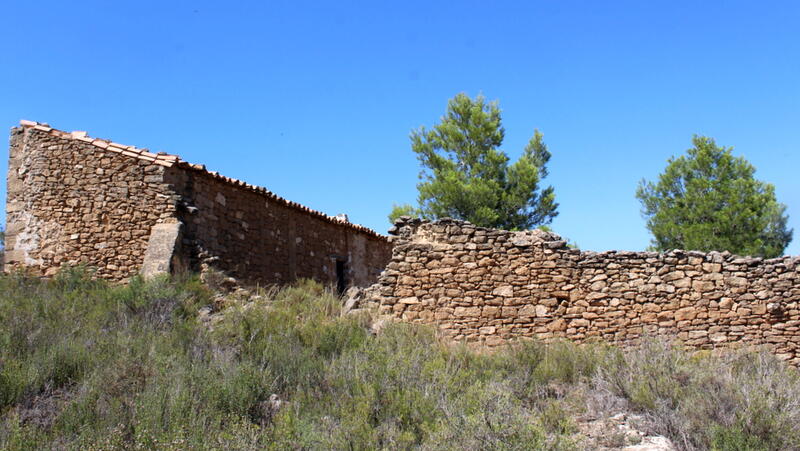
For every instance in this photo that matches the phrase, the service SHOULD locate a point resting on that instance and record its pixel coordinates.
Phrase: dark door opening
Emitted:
(341, 276)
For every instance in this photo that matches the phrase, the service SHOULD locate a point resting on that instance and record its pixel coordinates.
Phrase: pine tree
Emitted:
(709, 200)
(466, 176)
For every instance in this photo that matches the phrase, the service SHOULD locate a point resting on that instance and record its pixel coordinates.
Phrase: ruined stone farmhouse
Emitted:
(73, 199)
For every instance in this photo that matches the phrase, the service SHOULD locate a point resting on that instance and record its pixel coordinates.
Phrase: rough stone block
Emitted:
(162, 254)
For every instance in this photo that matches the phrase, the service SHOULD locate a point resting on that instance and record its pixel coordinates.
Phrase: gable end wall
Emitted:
(70, 202)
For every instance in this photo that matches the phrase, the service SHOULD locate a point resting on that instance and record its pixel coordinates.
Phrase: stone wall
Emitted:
(491, 286)
(73, 199)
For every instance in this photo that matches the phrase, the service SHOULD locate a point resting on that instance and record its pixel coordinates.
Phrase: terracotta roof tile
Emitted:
(130, 154)
(168, 160)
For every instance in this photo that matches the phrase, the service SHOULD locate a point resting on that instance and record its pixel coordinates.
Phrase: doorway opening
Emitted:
(341, 276)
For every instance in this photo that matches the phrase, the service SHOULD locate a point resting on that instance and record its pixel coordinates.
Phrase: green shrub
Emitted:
(735, 439)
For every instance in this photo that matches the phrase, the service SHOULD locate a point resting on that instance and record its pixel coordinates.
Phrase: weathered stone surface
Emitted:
(505, 291)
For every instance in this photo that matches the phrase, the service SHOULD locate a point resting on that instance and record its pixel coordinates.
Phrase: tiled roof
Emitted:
(168, 160)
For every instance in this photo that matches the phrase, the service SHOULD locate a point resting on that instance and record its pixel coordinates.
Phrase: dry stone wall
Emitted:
(73, 199)
(492, 286)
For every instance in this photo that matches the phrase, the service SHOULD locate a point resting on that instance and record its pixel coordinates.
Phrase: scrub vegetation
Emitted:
(89, 365)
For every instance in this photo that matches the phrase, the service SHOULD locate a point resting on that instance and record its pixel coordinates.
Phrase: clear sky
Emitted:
(315, 100)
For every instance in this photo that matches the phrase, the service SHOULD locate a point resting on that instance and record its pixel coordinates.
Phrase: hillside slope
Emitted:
(170, 364)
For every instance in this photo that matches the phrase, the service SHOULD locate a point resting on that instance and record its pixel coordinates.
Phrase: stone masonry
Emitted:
(73, 200)
(492, 286)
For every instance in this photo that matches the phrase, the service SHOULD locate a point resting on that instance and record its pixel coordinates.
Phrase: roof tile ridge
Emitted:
(105, 144)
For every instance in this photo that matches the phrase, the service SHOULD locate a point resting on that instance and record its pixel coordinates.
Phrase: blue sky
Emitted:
(315, 100)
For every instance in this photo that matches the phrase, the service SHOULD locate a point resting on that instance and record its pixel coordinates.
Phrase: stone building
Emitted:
(73, 199)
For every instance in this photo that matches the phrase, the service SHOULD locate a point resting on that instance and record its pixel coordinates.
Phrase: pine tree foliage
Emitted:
(466, 176)
(709, 200)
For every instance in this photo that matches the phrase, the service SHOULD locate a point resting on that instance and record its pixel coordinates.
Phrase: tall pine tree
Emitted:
(709, 200)
(466, 176)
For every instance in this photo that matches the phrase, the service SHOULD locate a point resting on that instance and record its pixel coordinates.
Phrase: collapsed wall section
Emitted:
(71, 202)
(492, 286)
